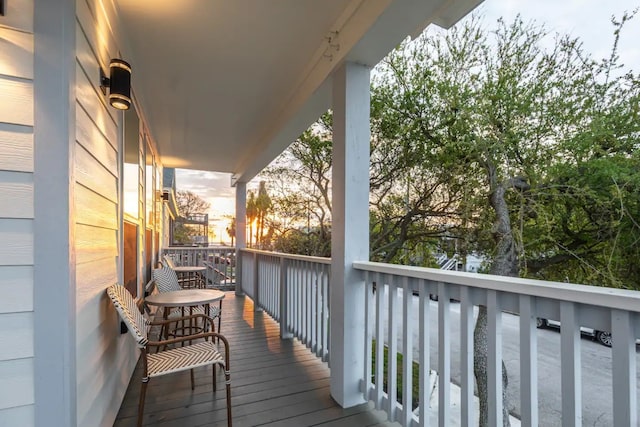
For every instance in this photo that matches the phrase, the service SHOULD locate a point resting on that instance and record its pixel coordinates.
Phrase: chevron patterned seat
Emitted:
(184, 353)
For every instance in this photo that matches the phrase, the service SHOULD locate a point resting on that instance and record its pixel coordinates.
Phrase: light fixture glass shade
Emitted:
(120, 84)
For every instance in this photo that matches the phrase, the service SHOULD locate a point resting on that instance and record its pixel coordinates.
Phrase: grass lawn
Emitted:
(415, 375)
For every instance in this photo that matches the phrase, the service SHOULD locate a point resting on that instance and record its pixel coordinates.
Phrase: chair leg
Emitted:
(143, 392)
(227, 376)
(192, 382)
(214, 376)
(219, 320)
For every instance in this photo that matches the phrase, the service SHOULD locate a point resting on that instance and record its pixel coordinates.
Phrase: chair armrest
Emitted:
(190, 338)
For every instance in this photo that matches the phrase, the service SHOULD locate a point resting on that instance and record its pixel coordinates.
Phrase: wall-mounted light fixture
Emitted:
(119, 84)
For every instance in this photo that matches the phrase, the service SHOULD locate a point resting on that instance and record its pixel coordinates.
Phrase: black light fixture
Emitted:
(119, 84)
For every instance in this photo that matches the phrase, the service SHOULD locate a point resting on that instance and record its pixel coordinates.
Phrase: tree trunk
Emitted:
(505, 264)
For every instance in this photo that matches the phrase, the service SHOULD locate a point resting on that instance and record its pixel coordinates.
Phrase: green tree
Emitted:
(252, 215)
(189, 204)
(263, 207)
(502, 130)
(231, 229)
(301, 183)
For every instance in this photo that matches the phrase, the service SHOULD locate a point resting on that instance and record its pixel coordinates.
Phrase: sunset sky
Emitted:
(588, 20)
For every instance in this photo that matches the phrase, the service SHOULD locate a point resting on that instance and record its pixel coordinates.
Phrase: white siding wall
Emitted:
(16, 214)
(104, 358)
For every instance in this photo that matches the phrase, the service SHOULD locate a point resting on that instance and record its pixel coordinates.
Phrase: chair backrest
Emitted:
(128, 310)
(166, 279)
(168, 261)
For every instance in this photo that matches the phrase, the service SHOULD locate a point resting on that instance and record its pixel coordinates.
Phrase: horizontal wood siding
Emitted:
(18, 416)
(94, 244)
(16, 53)
(94, 209)
(16, 328)
(16, 214)
(17, 195)
(17, 383)
(105, 358)
(91, 174)
(94, 141)
(17, 148)
(17, 101)
(16, 288)
(16, 242)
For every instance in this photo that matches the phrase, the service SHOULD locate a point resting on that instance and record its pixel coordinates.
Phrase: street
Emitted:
(596, 367)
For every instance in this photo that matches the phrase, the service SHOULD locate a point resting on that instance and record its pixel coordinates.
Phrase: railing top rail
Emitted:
(200, 248)
(316, 259)
(594, 295)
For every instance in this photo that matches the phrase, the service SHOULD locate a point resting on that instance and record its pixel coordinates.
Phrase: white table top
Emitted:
(185, 297)
(189, 269)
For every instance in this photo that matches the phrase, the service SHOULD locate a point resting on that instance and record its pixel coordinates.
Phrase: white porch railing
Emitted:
(294, 290)
(390, 315)
(219, 260)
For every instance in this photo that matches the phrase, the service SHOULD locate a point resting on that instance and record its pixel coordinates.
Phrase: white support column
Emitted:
(241, 231)
(350, 229)
(54, 299)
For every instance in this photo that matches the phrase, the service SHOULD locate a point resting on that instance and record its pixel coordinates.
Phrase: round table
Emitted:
(187, 298)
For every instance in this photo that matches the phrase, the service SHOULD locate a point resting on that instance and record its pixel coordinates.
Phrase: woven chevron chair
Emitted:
(186, 281)
(166, 280)
(176, 359)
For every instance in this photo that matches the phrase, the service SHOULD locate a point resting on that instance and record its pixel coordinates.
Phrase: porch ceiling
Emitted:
(227, 85)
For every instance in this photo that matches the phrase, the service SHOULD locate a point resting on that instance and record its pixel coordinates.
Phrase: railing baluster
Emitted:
(307, 305)
(379, 340)
(368, 334)
(466, 358)
(284, 300)
(256, 284)
(303, 303)
(272, 288)
(571, 381)
(299, 301)
(324, 315)
(444, 356)
(407, 351)
(625, 407)
(312, 305)
(318, 308)
(294, 297)
(528, 362)
(423, 354)
(392, 343)
(494, 359)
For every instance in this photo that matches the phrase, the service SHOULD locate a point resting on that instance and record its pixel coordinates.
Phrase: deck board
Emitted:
(274, 382)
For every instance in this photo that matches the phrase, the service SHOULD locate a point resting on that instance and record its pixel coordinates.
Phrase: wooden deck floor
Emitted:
(274, 382)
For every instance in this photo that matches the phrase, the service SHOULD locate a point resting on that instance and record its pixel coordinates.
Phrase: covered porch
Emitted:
(227, 86)
(275, 382)
(279, 329)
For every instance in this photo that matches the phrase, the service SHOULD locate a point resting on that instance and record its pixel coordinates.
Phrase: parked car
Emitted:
(603, 337)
